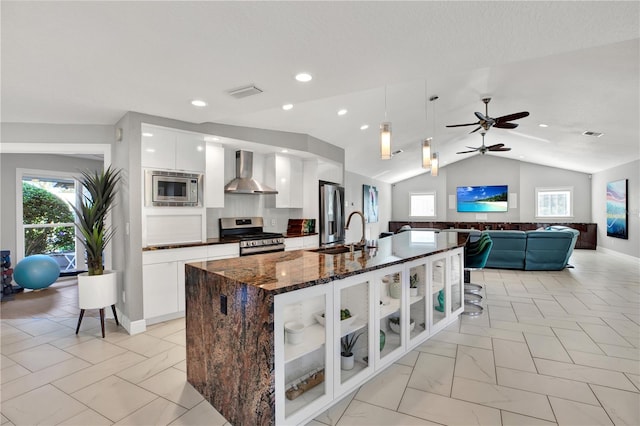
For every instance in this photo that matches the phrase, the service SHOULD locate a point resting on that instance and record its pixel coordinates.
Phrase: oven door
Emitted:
(247, 251)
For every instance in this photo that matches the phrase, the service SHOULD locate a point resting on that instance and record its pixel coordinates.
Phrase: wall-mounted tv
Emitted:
(481, 199)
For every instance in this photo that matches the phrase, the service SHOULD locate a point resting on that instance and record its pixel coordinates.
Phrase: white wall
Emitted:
(522, 179)
(354, 201)
(630, 171)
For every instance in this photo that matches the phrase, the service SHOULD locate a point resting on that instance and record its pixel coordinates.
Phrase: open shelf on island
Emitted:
(313, 339)
(393, 306)
(414, 299)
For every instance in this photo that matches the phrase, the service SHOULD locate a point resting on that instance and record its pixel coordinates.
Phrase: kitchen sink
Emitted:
(335, 249)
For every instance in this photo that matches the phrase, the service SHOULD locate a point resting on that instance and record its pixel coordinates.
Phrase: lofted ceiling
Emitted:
(573, 65)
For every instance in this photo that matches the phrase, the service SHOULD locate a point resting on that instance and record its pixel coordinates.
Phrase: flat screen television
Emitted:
(482, 199)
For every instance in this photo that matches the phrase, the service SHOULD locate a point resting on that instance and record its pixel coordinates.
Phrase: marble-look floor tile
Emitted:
(526, 310)
(463, 339)
(363, 414)
(12, 372)
(447, 411)
(53, 406)
(578, 414)
(87, 417)
(201, 414)
(513, 419)
(577, 340)
(547, 347)
(385, 390)
(546, 385)
(157, 412)
(584, 373)
(145, 345)
(501, 397)
(623, 407)
(604, 334)
(513, 355)
(40, 357)
(151, 366)
(492, 332)
(501, 313)
(172, 384)
(606, 362)
(621, 351)
(515, 326)
(95, 351)
(624, 327)
(433, 373)
(332, 415)
(114, 398)
(438, 348)
(635, 379)
(475, 364)
(409, 359)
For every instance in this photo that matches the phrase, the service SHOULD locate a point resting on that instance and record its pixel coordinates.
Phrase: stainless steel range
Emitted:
(249, 230)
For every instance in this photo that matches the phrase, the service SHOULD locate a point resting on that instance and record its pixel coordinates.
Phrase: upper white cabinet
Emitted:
(214, 177)
(170, 149)
(285, 174)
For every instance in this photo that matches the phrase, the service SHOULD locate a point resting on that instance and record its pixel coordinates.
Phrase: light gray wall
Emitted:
(8, 165)
(354, 201)
(630, 171)
(522, 179)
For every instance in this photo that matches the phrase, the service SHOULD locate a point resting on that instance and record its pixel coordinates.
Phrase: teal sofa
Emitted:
(541, 250)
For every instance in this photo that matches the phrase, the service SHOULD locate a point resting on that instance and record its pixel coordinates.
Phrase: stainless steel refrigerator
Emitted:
(331, 213)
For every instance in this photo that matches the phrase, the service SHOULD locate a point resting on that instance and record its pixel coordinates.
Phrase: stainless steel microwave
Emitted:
(172, 189)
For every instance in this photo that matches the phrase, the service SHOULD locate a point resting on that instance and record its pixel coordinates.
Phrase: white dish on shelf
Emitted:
(396, 327)
(294, 332)
(344, 323)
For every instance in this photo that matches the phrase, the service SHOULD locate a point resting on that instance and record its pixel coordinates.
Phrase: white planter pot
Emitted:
(413, 292)
(97, 291)
(347, 362)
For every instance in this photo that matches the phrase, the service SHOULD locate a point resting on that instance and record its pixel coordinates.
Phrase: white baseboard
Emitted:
(132, 327)
(617, 253)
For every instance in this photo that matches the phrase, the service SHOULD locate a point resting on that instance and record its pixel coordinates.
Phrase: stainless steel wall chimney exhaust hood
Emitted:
(244, 183)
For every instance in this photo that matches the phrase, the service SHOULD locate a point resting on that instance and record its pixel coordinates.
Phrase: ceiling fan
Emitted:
(483, 149)
(485, 122)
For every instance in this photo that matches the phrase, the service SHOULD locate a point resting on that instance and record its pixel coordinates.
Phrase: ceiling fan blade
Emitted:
(460, 125)
(466, 152)
(476, 129)
(473, 147)
(498, 145)
(512, 117)
(506, 125)
(481, 116)
(499, 149)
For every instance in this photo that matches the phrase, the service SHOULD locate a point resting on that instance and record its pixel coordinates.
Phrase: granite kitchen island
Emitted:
(242, 361)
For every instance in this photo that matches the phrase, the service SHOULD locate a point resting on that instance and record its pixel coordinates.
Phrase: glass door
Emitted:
(438, 296)
(456, 275)
(303, 362)
(418, 296)
(391, 318)
(353, 334)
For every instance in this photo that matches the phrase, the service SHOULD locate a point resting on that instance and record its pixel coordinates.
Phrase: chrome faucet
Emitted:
(362, 240)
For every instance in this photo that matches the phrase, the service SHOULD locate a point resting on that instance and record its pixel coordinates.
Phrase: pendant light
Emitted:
(385, 133)
(435, 157)
(426, 153)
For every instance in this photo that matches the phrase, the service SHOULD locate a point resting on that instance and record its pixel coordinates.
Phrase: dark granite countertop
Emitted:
(210, 241)
(292, 270)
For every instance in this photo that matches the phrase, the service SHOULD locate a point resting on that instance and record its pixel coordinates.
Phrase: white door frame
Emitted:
(59, 149)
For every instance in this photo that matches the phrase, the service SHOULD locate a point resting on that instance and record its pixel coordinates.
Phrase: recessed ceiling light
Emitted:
(342, 112)
(198, 103)
(303, 77)
(200, 148)
(211, 139)
(364, 127)
(285, 150)
(150, 150)
(543, 125)
(287, 107)
(147, 134)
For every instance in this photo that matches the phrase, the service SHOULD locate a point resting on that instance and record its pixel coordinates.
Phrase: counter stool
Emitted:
(475, 258)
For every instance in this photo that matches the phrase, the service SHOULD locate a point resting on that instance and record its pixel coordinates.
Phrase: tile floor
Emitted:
(550, 348)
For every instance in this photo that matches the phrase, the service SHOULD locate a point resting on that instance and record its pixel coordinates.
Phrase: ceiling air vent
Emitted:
(594, 134)
(243, 92)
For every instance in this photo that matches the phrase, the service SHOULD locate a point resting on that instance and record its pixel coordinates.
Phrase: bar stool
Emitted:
(475, 258)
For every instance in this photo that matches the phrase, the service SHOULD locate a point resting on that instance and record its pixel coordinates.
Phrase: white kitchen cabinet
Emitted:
(163, 277)
(214, 176)
(376, 299)
(171, 149)
(285, 174)
(301, 243)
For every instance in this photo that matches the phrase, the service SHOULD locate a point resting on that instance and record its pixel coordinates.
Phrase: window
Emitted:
(423, 205)
(554, 202)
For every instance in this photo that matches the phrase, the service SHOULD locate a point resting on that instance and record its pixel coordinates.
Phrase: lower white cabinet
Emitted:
(163, 277)
(385, 320)
(300, 243)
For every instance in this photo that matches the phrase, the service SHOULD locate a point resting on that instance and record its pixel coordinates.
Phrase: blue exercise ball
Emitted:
(36, 272)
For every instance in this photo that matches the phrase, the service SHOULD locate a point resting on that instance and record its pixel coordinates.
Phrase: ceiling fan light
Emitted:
(434, 163)
(426, 153)
(385, 141)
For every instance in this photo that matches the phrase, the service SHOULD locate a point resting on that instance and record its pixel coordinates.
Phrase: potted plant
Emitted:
(347, 343)
(413, 285)
(97, 288)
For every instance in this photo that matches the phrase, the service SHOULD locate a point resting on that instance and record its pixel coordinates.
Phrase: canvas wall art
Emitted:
(617, 208)
(370, 203)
